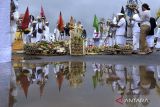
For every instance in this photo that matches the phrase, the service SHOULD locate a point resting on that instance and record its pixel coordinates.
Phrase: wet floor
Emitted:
(84, 84)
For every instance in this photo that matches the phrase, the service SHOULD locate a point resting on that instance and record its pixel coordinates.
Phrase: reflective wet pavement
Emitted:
(84, 84)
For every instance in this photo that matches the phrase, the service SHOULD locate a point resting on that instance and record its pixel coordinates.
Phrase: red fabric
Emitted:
(42, 12)
(60, 23)
(25, 21)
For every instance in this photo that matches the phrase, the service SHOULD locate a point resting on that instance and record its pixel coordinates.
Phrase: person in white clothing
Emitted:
(121, 30)
(39, 28)
(57, 34)
(46, 32)
(157, 46)
(33, 32)
(135, 31)
(145, 28)
(27, 36)
(113, 31)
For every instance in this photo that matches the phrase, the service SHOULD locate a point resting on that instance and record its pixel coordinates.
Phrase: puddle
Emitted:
(84, 84)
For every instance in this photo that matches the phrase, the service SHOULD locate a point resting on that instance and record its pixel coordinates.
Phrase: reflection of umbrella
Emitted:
(24, 83)
(60, 78)
(122, 10)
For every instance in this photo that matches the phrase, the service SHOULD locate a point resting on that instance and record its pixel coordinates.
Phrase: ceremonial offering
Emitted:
(109, 50)
(127, 50)
(76, 44)
(45, 48)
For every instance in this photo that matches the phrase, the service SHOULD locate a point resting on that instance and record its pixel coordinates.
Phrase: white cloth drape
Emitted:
(5, 41)
(136, 37)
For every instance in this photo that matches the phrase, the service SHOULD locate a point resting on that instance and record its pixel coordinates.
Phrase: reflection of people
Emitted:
(147, 79)
(135, 80)
(13, 89)
(96, 67)
(120, 72)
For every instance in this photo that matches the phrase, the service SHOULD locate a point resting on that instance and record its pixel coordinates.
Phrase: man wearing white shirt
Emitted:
(47, 32)
(121, 30)
(56, 33)
(39, 28)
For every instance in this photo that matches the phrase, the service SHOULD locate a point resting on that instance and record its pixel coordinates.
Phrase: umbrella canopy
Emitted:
(25, 83)
(60, 22)
(26, 19)
(96, 23)
(60, 78)
(42, 12)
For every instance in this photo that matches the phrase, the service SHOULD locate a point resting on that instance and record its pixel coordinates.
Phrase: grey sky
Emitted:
(82, 10)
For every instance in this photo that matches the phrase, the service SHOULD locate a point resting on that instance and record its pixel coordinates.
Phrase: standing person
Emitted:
(46, 32)
(57, 33)
(39, 28)
(145, 28)
(33, 32)
(121, 30)
(67, 29)
(14, 19)
(113, 31)
(150, 37)
(84, 33)
(27, 36)
(136, 32)
(62, 35)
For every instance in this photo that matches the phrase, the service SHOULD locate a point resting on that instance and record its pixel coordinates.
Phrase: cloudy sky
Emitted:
(82, 10)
